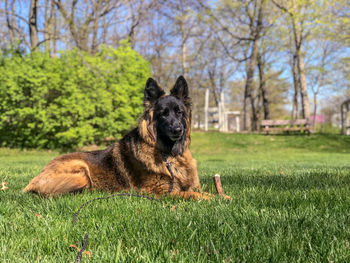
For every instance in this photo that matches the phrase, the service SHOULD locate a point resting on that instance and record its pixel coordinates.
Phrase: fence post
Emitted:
(206, 106)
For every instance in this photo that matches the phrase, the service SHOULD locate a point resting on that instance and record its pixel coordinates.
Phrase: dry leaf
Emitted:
(3, 185)
(173, 208)
(74, 246)
(84, 252)
(38, 215)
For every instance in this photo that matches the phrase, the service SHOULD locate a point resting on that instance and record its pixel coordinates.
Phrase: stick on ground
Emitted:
(218, 185)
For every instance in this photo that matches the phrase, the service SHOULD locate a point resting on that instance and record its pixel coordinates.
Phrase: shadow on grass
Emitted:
(224, 143)
(303, 182)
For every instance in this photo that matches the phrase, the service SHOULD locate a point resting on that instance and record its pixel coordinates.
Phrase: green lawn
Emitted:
(290, 203)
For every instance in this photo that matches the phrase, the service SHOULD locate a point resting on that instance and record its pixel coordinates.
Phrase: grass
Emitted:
(290, 203)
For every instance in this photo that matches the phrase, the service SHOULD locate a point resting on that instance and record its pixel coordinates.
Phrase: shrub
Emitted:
(69, 101)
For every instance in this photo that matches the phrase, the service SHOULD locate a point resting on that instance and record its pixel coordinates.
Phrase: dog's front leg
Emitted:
(192, 195)
(197, 195)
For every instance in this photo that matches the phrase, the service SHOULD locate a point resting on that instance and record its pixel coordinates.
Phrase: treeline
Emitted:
(272, 58)
(72, 100)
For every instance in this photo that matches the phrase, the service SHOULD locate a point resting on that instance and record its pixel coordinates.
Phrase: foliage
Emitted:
(290, 203)
(328, 128)
(207, 41)
(72, 100)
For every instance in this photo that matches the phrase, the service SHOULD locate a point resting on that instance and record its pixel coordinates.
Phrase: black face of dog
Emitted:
(170, 115)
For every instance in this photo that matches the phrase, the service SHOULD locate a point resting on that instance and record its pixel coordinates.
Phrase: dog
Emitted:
(140, 160)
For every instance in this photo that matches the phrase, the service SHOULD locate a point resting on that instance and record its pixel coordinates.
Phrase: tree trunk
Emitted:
(213, 86)
(299, 56)
(80, 35)
(132, 33)
(315, 111)
(104, 31)
(83, 32)
(136, 16)
(250, 69)
(13, 20)
(54, 29)
(294, 66)
(262, 88)
(183, 58)
(303, 85)
(298, 40)
(183, 49)
(10, 20)
(33, 28)
(94, 44)
(255, 113)
(47, 25)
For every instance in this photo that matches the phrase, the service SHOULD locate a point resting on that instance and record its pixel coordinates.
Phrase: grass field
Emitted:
(290, 203)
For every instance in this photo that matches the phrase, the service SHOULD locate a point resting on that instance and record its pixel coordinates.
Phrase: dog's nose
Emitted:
(177, 130)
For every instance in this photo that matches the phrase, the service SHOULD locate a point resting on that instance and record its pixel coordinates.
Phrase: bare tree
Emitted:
(241, 24)
(138, 11)
(319, 72)
(33, 27)
(15, 24)
(10, 19)
(50, 27)
(82, 25)
(184, 25)
(297, 23)
(54, 32)
(256, 29)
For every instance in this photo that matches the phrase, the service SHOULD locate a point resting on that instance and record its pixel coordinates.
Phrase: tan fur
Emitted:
(133, 162)
(61, 177)
(74, 172)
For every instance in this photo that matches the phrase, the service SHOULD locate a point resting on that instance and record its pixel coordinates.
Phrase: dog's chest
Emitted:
(158, 178)
(182, 170)
(182, 180)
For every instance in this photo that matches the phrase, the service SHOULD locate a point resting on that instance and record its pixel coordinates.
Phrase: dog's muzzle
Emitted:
(176, 133)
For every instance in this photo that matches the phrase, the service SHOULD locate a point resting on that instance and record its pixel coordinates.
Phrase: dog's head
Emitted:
(166, 122)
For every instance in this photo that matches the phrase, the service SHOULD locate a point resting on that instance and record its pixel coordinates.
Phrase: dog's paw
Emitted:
(193, 195)
(226, 197)
(207, 196)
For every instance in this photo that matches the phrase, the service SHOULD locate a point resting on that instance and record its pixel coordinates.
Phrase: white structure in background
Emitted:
(226, 120)
(345, 120)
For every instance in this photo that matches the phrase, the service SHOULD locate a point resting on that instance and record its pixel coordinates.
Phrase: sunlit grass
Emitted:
(290, 203)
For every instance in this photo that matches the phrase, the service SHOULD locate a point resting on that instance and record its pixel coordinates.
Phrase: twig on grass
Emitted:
(218, 185)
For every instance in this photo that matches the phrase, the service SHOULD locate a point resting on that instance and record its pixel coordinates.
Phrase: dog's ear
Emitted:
(152, 92)
(180, 90)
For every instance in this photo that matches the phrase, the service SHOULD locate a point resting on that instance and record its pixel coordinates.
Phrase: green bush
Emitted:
(69, 101)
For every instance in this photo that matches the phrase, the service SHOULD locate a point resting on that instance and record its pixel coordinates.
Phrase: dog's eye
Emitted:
(178, 112)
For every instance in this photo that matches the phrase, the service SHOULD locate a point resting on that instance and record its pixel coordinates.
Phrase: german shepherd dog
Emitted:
(139, 160)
